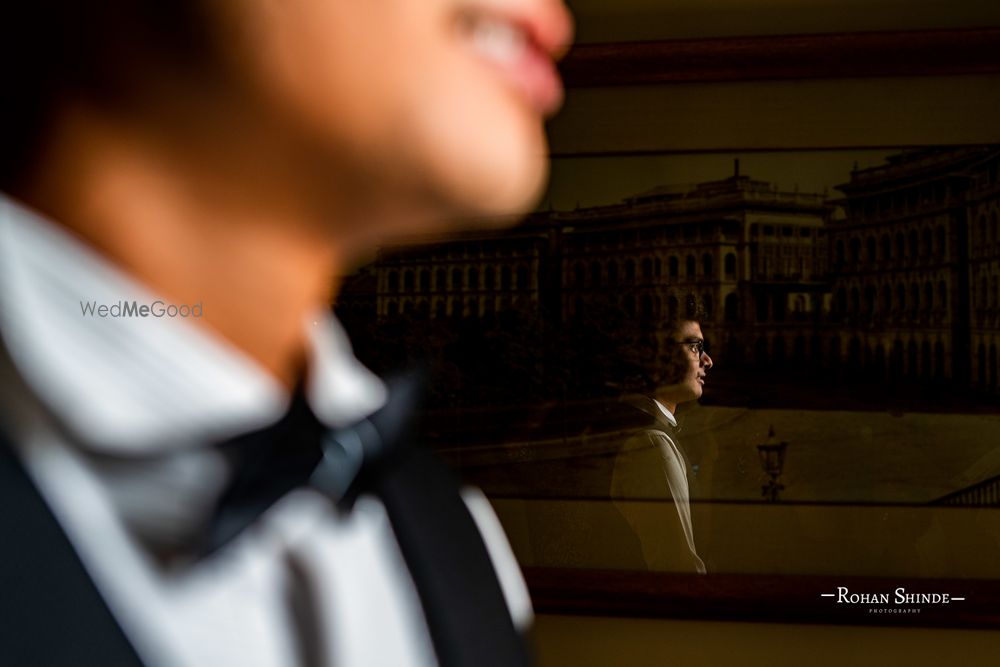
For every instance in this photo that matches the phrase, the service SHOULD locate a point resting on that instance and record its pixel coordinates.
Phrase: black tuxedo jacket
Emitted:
(52, 615)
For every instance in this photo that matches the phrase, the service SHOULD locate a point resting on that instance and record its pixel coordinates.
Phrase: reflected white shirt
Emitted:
(80, 389)
(674, 466)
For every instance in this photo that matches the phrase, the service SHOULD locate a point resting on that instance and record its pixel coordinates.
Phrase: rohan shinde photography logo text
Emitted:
(136, 309)
(900, 601)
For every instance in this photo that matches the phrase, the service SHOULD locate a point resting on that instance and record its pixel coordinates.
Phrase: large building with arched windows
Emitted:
(984, 272)
(754, 258)
(912, 264)
(898, 278)
(473, 275)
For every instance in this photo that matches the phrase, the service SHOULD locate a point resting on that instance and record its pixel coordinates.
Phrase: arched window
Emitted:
(994, 366)
(900, 246)
(630, 271)
(408, 280)
(579, 274)
(392, 309)
(595, 274)
(886, 299)
(914, 244)
(647, 269)
(645, 307)
(839, 256)
(392, 281)
(730, 265)
(762, 308)
(886, 247)
(914, 298)
(778, 307)
(928, 296)
(927, 247)
(690, 266)
(425, 280)
(799, 350)
(871, 249)
(760, 353)
(523, 279)
(835, 352)
(706, 265)
(473, 278)
(709, 306)
(778, 351)
(672, 267)
(940, 360)
(440, 280)
(456, 279)
(942, 251)
(490, 278)
(612, 273)
(854, 247)
(900, 298)
(672, 306)
(855, 302)
(732, 308)
(942, 295)
(505, 276)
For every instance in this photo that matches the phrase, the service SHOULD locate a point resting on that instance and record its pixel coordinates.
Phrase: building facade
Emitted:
(899, 278)
(911, 266)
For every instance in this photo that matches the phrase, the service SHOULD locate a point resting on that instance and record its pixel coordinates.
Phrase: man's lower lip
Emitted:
(535, 77)
(540, 83)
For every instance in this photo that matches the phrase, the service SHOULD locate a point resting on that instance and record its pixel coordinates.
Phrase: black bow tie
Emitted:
(298, 451)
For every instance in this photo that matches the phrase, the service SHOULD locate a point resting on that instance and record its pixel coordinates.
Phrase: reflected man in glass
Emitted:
(651, 460)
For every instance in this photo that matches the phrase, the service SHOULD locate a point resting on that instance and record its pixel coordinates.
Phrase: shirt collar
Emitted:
(135, 385)
(654, 409)
(664, 414)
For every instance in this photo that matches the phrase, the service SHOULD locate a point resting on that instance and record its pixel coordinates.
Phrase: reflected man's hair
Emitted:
(671, 365)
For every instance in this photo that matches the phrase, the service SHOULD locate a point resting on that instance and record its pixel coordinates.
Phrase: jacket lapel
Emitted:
(50, 611)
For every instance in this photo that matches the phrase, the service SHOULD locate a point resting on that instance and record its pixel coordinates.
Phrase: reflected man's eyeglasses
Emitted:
(696, 345)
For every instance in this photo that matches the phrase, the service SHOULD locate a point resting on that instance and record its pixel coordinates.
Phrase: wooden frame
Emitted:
(851, 55)
(753, 597)
(763, 597)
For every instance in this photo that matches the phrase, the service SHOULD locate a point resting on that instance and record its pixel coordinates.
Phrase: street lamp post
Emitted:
(772, 461)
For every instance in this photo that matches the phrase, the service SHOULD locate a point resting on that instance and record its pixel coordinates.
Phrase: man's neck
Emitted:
(258, 265)
(671, 406)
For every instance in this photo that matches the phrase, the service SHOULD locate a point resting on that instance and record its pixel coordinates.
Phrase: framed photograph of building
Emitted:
(829, 215)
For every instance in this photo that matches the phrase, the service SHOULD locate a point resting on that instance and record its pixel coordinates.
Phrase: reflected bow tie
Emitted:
(300, 451)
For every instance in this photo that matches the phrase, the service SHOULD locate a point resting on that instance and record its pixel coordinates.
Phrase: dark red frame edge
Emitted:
(756, 597)
(841, 55)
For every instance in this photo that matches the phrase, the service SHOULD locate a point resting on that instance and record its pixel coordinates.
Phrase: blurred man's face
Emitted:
(437, 104)
(691, 365)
